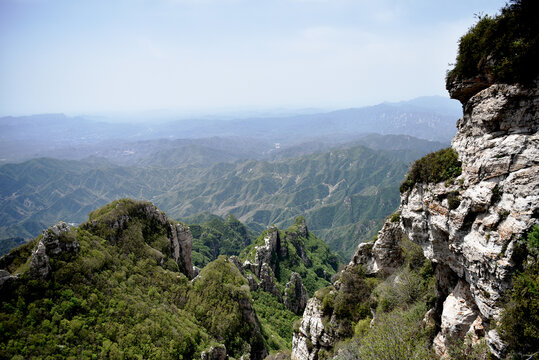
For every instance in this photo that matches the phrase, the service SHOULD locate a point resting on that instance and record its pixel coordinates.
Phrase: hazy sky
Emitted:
(80, 56)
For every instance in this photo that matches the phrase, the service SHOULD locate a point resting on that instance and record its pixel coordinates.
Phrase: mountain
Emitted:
(344, 194)
(122, 285)
(128, 143)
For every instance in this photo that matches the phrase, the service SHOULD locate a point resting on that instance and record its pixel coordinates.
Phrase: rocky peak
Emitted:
(269, 252)
(295, 294)
(181, 245)
(111, 221)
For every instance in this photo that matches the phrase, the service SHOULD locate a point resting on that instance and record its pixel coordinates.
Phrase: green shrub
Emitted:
(397, 335)
(533, 239)
(504, 46)
(435, 167)
(453, 200)
(519, 324)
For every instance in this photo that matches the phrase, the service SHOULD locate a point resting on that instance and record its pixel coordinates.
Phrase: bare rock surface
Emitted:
(295, 294)
(181, 245)
(56, 241)
(498, 201)
(312, 336)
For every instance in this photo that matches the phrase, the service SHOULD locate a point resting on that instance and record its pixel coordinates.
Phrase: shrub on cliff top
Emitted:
(434, 167)
(504, 46)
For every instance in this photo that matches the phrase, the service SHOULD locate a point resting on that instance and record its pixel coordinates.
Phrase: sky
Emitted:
(89, 56)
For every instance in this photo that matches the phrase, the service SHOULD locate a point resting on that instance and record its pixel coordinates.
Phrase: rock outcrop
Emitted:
(312, 336)
(57, 241)
(267, 281)
(496, 202)
(217, 352)
(295, 294)
(383, 255)
(112, 221)
(181, 244)
(268, 253)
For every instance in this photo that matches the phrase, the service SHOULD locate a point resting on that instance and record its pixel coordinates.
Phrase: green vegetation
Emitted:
(305, 254)
(104, 303)
(519, 325)
(435, 167)
(218, 237)
(220, 300)
(504, 47)
(399, 334)
(122, 296)
(400, 302)
(275, 318)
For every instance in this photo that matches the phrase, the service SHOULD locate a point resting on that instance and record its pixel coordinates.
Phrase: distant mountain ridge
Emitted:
(56, 135)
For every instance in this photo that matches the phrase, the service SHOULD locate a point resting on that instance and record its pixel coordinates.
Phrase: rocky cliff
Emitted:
(470, 227)
(475, 239)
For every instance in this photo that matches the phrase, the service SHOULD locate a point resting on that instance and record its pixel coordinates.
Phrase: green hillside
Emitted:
(343, 194)
(112, 288)
(218, 236)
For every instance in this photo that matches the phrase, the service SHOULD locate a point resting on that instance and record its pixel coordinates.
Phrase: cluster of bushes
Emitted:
(435, 167)
(399, 301)
(506, 46)
(104, 303)
(519, 325)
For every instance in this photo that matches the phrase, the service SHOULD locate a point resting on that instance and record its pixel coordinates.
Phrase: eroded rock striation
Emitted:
(311, 336)
(495, 201)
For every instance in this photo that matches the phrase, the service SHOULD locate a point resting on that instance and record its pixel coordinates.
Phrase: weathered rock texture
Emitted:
(295, 294)
(311, 336)
(384, 255)
(57, 241)
(497, 196)
(181, 244)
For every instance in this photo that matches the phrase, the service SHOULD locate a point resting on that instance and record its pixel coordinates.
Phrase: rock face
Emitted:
(217, 352)
(181, 244)
(267, 253)
(311, 336)
(267, 281)
(57, 241)
(497, 202)
(295, 294)
(384, 255)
